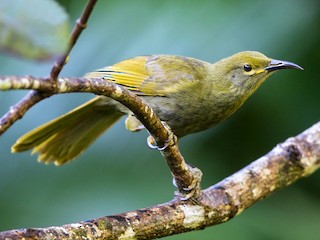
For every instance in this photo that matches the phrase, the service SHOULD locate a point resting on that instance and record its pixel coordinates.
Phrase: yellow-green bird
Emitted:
(188, 94)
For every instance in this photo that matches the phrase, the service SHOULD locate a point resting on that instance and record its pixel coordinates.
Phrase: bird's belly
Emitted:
(186, 118)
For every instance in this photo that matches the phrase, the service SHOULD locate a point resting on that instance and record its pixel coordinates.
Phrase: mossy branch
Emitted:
(297, 157)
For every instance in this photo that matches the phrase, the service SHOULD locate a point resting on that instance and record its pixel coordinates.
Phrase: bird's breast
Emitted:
(189, 114)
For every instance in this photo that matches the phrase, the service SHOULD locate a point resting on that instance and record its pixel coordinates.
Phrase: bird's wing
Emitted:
(154, 75)
(131, 74)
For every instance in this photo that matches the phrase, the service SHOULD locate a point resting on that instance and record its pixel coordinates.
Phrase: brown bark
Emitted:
(297, 157)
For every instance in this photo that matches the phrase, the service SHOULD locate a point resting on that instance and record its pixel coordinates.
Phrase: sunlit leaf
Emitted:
(36, 29)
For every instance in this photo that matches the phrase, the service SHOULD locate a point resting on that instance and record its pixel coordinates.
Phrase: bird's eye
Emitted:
(247, 67)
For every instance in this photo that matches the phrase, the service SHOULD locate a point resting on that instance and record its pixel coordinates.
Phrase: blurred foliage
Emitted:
(36, 29)
(119, 173)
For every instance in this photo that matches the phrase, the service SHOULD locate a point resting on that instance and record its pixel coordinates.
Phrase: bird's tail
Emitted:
(65, 137)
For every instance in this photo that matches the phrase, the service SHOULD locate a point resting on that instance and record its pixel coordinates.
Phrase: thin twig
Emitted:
(33, 96)
(18, 110)
(81, 24)
(295, 158)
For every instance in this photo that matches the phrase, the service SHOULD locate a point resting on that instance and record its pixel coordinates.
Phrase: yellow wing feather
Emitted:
(131, 74)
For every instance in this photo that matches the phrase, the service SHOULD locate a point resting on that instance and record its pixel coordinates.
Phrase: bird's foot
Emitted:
(172, 139)
(193, 190)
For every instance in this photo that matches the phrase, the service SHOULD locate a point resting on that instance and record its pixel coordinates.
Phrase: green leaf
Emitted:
(35, 29)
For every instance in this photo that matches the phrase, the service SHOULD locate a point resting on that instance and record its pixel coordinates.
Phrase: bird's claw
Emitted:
(193, 190)
(153, 144)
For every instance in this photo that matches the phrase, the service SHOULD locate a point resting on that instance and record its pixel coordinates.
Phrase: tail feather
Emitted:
(64, 138)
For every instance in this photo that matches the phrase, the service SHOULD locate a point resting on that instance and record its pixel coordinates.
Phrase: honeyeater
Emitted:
(188, 94)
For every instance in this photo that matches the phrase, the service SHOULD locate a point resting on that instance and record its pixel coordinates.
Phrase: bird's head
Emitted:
(245, 71)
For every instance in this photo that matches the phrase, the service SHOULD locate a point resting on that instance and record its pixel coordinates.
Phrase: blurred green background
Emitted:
(119, 173)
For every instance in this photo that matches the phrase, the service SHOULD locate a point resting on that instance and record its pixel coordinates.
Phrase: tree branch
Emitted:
(186, 177)
(295, 158)
(17, 111)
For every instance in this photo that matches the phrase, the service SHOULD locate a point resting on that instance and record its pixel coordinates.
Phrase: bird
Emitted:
(187, 94)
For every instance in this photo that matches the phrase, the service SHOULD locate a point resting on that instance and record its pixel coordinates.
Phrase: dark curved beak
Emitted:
(279, 64)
